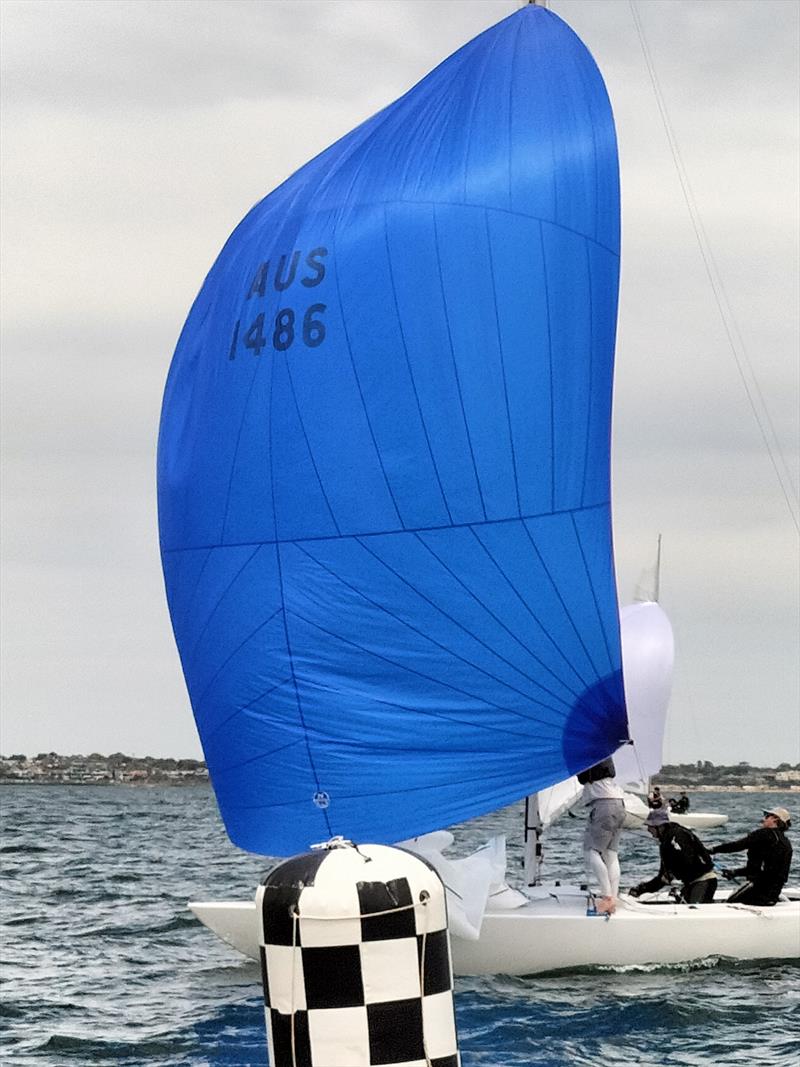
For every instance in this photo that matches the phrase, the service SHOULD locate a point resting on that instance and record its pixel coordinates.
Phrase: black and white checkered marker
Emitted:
(355, 960)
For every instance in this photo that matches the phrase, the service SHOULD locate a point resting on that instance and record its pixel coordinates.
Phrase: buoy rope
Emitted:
(424, 897)
(343, 918)
(295, 920)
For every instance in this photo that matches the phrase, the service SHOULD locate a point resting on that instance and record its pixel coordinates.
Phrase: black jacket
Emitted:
(769, 856)
(684, 858)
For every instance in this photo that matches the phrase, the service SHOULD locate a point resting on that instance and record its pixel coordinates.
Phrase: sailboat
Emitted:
(648, 652)
(384, 500)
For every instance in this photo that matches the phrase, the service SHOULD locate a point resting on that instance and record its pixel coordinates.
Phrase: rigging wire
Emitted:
(732, 331)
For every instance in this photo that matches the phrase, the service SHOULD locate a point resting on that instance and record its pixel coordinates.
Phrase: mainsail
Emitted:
(384, 461)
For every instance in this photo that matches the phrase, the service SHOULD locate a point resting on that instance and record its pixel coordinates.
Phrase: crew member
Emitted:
(684, 858)
(680, 804)
(769, 856)
(655, 800)
(603, 797)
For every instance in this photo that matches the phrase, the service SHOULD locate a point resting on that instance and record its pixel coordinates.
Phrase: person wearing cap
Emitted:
(604, 799)
(681, 805)
(655, 800)
(769, 857)
(684, 858)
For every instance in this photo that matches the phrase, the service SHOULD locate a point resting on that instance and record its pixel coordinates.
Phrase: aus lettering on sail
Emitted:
(295, 323)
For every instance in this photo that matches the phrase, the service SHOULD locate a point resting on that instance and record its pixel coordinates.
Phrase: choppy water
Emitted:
(103, 964)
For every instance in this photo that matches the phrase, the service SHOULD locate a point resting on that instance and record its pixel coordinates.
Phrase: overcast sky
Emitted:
(137, 134)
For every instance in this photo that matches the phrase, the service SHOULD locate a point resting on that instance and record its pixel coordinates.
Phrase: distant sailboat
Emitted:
(384, 497)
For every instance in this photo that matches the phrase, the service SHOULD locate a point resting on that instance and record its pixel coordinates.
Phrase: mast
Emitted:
(657, 584)
(533, 841)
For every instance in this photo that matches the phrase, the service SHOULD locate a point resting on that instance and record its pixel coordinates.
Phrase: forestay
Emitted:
(384, 461)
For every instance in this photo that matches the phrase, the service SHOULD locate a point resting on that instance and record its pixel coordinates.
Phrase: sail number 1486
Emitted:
(287, 326)
(282, 331)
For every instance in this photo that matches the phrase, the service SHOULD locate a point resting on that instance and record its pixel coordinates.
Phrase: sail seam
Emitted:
(279, 563)
(590, 374)
(199, 703)
(550, 368)
(470, 205)
(403, 530)
(533, 615)
(416, 710)
(476, 93)
(438, 644)
(455, 364)
(254, 759)
(593, 591)
(502, 362)
(581, 72)
(246, 707)
(513, 794)
(361, 392)
(521, 599)
(510, 150)
(469, 633)
(246, 405)
(561, 600)
(410, 369)
(224, 593)
(438, 681)
(402, 707)
(310, 452)
(189, 603)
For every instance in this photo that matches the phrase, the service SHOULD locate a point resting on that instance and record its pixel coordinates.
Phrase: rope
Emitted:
(295, 920)
(750, 909)
(367, 915)
(715, 279)
(424, 898)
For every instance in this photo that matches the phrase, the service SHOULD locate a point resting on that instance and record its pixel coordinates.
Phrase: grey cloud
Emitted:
(136, 135)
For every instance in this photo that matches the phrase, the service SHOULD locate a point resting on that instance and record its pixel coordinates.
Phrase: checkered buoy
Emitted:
(355, 960)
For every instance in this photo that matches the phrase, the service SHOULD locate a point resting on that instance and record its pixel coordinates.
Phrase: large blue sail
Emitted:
(384, 461)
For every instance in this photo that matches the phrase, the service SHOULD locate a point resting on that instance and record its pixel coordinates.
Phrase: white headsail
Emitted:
(648, 653)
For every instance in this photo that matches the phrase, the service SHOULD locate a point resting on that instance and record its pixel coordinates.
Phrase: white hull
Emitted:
(553, 932)
(635, 815)
(699, 820)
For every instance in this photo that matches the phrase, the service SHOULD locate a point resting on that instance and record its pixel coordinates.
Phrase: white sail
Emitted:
(648, 653)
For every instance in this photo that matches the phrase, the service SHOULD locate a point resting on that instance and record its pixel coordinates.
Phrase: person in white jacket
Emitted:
(604, 799)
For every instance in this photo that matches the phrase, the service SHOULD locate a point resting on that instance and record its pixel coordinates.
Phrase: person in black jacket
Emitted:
(769, 856)
(683, 857)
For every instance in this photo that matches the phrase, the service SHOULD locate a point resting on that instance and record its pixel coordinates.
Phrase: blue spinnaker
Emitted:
(384, 461)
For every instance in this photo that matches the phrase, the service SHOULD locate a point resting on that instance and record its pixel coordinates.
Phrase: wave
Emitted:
(125, 933)
(96, 1050)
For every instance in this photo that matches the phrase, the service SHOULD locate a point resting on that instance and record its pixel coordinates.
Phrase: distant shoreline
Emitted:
(27, 782)
(689, 789)
(665, 788)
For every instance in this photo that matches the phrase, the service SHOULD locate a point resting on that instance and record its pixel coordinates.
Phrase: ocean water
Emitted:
(102, 964)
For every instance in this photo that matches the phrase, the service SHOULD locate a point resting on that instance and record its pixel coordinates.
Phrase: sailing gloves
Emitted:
(729, 873)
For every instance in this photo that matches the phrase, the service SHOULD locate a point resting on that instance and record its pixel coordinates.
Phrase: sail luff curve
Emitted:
(384, 461)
